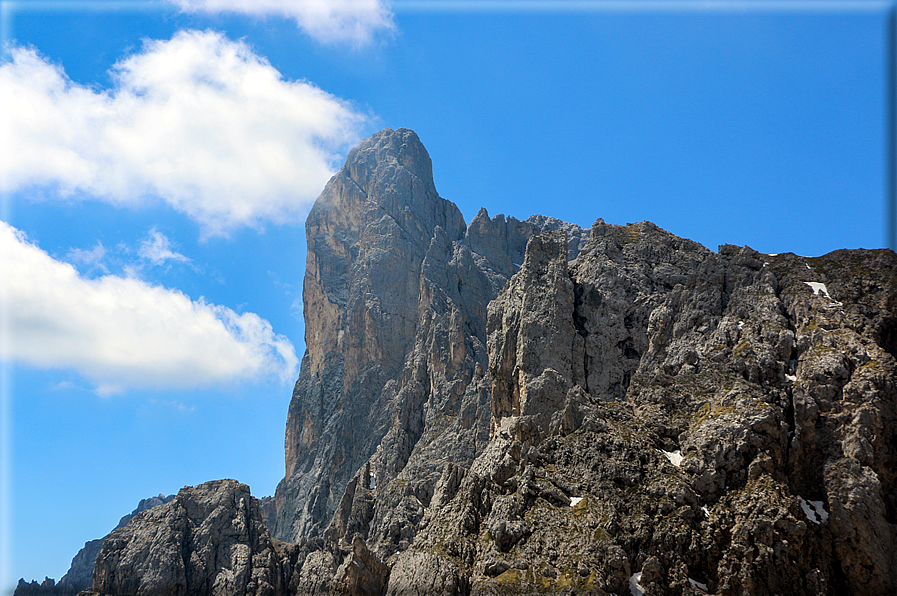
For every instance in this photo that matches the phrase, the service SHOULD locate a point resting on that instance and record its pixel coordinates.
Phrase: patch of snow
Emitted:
(740, 325)
(574, 501)
(820, 510)
(814, 511)
(373, 483)
(516, 265)
(808, 266)
(706, 513)
(811, 515)
(819, 289)
(634, 588)
(698, 585)
(791, 378)
(773, 254)
(675, 457)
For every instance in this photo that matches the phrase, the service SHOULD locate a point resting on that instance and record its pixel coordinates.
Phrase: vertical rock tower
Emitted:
(395, 295)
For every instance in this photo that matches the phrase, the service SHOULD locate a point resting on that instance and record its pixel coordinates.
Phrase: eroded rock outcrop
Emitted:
(208, 540)
(712, 424)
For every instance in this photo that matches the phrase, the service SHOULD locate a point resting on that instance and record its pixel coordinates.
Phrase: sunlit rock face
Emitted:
(518, 407)
(395, 295)
(209, 539)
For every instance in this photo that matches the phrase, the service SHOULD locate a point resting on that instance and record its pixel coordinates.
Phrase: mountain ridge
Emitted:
(517, 407)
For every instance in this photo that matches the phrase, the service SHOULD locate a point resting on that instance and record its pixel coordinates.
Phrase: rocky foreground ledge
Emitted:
(523, 407)
(210, 539)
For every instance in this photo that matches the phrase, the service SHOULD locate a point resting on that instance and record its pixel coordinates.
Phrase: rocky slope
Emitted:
(683, 421)
(517, 407)
(209, 539)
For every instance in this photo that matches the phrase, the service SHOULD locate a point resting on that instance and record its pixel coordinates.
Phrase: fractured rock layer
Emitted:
(751, 453)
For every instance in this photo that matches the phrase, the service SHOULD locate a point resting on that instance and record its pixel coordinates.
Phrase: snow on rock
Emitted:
(574, 501)
(634, 588)
(814, 511)
(819, 289)
(698, 585)
(675, 457)
(791, 378)
(820, 510)
(706, 513)
(373, 483)
(740, 325)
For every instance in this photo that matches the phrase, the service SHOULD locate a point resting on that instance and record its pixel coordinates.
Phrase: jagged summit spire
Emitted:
(390, 148)
(479, 412)
(390, 171)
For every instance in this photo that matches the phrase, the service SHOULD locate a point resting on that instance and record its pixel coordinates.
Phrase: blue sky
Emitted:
(159, 158)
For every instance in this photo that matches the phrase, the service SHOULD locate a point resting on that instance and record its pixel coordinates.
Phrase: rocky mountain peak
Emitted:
(378, 158)
(518, 407)
(209, 539)
(391, 269)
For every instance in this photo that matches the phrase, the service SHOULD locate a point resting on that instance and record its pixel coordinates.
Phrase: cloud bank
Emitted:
(328, 21)
(199, 122)
(124, 333)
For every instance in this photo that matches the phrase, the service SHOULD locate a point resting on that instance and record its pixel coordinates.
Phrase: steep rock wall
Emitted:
(395, 296)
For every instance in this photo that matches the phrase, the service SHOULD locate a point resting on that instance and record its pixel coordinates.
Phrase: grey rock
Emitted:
(144, 505)
(395, 373)
(774, 396)
(209, 539)
(519, 407)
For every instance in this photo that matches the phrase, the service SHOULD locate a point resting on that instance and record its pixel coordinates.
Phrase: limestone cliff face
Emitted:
(519, 407)
(395, 295)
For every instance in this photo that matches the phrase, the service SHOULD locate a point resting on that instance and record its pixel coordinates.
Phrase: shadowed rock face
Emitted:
(526, 407)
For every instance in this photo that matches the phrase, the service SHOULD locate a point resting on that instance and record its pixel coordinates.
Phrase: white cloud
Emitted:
(156, 247)
(198, 121)
(328, 21)
(93, 257)
(122, 332)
